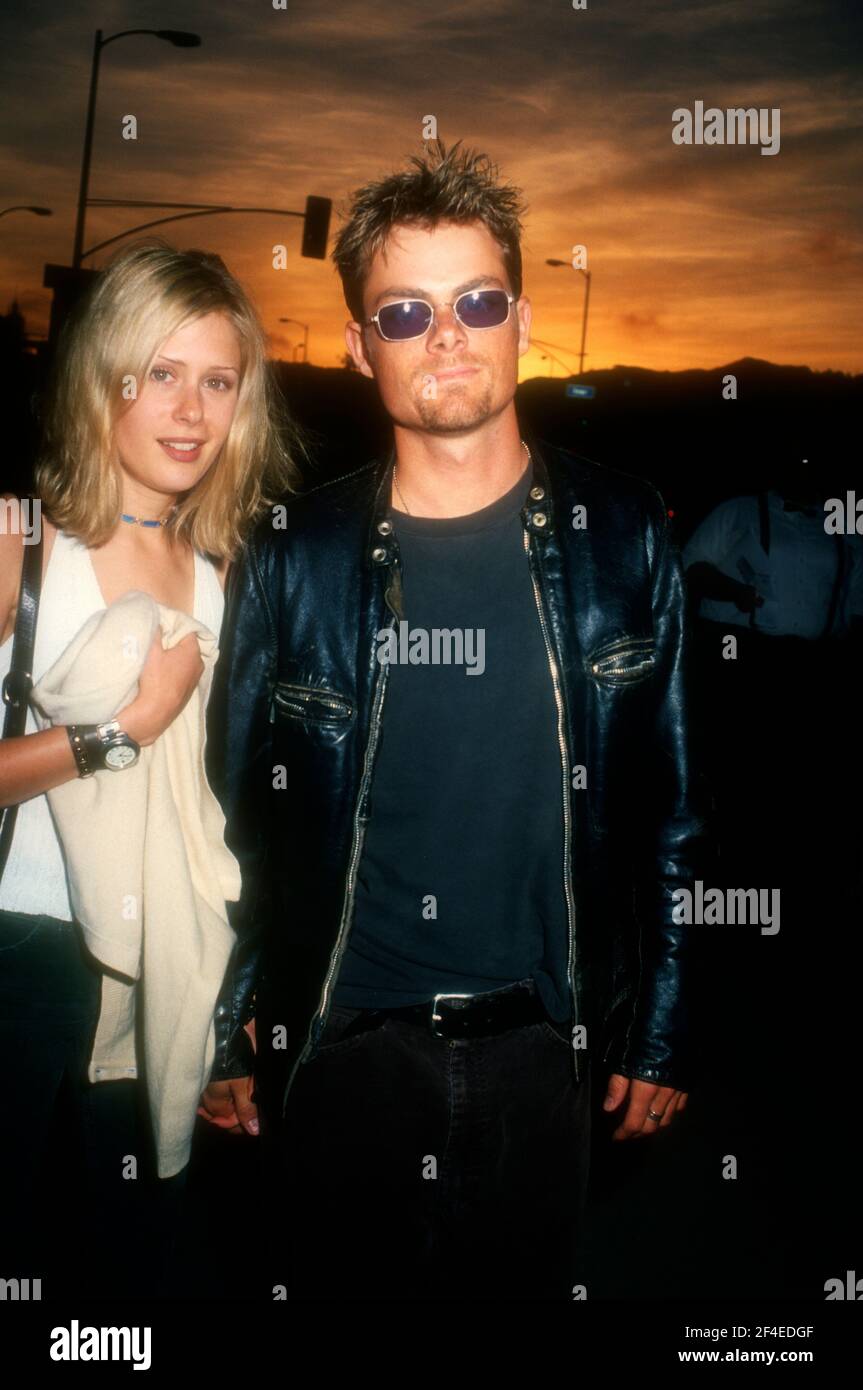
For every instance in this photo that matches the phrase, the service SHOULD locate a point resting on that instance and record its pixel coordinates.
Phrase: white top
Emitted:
(34, 880)
(796, 579)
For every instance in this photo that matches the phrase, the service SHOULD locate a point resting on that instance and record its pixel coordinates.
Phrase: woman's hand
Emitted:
(166, 683)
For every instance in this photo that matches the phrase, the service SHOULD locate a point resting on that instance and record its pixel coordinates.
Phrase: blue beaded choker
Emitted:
(137, 521)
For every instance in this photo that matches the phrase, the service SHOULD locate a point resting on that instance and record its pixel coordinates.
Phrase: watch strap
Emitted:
(91, 744)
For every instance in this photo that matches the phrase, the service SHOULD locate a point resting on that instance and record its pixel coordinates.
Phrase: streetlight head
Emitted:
(41, 212)
(179, 38)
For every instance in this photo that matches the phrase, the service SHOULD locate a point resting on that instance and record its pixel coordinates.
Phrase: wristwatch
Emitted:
(102, 746)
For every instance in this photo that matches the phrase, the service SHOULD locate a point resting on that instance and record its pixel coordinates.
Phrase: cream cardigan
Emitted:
(149, 871)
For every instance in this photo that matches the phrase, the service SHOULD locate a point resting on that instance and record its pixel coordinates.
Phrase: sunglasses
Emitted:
(411, 318)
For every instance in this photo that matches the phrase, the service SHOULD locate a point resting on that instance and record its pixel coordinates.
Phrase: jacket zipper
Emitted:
(323, 1008)
(600, 670)
(310, 697)
(567, 818)
(644, 660)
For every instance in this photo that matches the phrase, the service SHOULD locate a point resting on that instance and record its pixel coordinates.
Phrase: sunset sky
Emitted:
(699, 254)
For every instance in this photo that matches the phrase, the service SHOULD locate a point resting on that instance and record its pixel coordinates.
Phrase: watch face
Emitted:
(120, 756)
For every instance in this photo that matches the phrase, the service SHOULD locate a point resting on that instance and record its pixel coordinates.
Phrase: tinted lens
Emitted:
(407, 319)
(482, 308)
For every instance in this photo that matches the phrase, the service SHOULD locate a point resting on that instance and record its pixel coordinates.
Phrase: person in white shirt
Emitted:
(765, 562)
(764, 570)
(164, 442)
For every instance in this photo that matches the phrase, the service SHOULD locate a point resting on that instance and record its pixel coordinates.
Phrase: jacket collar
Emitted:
(537, 513)
(381, 544)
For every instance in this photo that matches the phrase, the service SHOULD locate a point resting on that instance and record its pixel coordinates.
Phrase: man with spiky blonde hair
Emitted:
(457, 902)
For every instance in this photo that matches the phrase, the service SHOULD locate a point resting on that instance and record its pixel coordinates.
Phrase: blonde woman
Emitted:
(163, 444)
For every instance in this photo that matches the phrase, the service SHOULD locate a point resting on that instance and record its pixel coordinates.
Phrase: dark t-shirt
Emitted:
(460, 880)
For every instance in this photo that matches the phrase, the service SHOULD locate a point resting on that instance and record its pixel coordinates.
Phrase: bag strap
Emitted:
(19, 681)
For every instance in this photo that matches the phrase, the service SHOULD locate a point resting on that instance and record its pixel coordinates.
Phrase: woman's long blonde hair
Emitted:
(146, 293)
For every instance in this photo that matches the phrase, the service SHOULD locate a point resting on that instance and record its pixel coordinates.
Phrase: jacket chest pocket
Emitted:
(627, 661)
(310, 704)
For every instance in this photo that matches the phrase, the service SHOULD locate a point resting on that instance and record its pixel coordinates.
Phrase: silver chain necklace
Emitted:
(399, 491)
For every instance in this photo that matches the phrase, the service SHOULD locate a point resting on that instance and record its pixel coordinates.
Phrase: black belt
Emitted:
(461, 1015)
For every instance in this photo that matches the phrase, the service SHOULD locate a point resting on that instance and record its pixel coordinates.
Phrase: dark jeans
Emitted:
(414, 1166)
(72, 1215)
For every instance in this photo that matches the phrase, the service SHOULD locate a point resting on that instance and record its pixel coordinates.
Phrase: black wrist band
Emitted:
(79, 737)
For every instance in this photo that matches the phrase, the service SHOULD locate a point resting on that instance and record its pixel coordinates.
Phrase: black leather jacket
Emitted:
(294, 719)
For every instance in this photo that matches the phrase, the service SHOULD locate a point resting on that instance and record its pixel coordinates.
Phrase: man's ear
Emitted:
(525, 315)
(356, 346)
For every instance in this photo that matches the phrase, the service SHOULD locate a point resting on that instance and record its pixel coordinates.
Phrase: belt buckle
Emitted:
(436, 1016)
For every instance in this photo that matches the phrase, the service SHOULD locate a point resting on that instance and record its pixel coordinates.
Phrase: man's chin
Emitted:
(452, 416)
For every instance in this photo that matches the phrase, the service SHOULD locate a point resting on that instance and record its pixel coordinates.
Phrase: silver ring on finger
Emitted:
(652, 1115)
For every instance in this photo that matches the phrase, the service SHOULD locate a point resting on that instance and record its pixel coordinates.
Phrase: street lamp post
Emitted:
(586, 274)
(548, 355)
(190, 210)
(180, 39)
(305, 328)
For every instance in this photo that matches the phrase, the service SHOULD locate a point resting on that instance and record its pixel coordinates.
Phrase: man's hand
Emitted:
(228, 1104)
(643, 1096)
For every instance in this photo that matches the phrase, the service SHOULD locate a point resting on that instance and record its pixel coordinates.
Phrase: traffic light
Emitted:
(316, 226)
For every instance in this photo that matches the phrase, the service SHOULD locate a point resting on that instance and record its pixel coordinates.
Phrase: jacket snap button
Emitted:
(540, 519)
(379, 553)
(537, 493)
(384, 527)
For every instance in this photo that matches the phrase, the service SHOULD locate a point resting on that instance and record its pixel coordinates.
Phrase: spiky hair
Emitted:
(440, 186)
